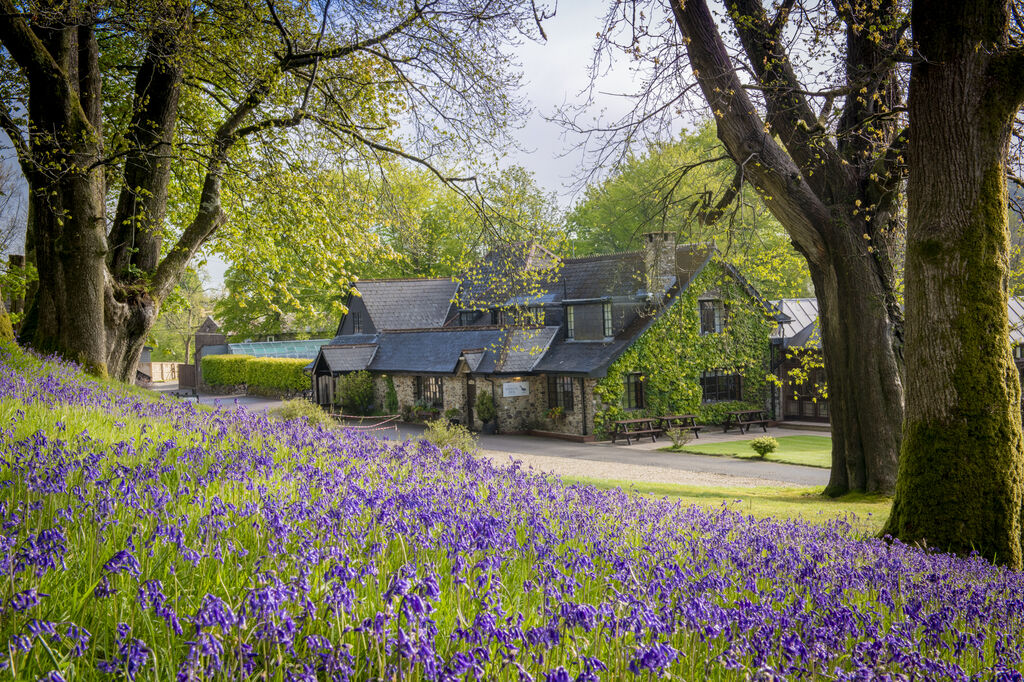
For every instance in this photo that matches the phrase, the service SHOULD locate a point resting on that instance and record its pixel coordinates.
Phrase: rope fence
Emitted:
(388, 422)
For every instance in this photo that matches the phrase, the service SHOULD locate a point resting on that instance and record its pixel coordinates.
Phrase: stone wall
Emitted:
(515, 413)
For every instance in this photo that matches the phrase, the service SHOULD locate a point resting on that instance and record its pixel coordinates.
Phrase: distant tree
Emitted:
(434, 234)
(961, 477)
(298, 243)
(180, 316)
(691, 187)
(103, 100)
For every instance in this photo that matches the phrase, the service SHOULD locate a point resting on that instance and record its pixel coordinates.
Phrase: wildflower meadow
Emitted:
(146, 539)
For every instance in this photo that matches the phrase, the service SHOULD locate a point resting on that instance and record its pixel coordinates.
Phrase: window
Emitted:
(718, 386)
(535, 314)
(429, 391)
(712, 316)
(468, 317)
(560, 392)
(607, 314)
(634, 396)
(495, 316)
(570, 322)
(357, 323)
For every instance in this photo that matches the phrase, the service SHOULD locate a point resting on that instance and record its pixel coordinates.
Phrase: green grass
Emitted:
(812, 451)
(867, 513)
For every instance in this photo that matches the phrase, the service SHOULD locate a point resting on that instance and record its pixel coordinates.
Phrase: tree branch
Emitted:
(35, 60)
(743, 132)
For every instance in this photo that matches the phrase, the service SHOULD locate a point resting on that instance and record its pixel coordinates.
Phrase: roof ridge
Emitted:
(406, 279)
(599, 256)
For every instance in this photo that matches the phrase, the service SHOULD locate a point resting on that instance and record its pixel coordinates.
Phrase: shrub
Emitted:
(390, 397)
(763, 445)
(286, 374)
(355, 391)
(680, 437)
(485, 408)
(225, 370)
(453, 414)
(302, 409)
(445, 435)
(714, 413)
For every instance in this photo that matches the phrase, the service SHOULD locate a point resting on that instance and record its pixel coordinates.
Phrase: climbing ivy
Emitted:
(671, 355)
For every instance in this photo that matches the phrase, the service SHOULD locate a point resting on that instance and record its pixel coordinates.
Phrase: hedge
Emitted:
(225, 370)
(280, 373)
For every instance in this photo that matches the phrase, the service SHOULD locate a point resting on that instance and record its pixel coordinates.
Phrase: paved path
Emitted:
(638, 462)
(592, 458)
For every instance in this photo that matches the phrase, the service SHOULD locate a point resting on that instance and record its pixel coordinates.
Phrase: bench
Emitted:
(744, 419)
(636, 428)
(680, 421)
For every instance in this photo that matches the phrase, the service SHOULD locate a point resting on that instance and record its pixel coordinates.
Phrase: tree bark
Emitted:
(821, 193)
(960, 485)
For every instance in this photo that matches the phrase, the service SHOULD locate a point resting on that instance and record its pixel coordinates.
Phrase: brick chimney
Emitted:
(659, 260)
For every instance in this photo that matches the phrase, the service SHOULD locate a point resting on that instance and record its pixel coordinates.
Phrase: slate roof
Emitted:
(802, 314)
(407, 303)
(351, 358)
(432, 351)
(495, 350)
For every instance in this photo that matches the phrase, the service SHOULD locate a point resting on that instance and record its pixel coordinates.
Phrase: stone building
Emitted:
(562, 345)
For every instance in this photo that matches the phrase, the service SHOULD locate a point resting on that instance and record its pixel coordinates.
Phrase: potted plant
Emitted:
(487, 412)
(556, 415)
(453, 415)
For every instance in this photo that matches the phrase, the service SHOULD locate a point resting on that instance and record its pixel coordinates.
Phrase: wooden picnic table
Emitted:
(636, 428)
(744, 419)
(680, 421)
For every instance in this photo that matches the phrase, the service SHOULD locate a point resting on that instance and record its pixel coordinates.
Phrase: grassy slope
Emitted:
(815, 451)
(865, 512)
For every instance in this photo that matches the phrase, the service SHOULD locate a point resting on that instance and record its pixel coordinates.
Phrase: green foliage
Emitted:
(716, 413)
(679, 437)
(676, 186)
(764, 445)
(286, 374)
(354, 391)
(14, 283)
(445, 435)
(485, 408)
(180, 315)
(6, 330)
(225, 370)
(302, 409)
(671, 355)
(390, 396)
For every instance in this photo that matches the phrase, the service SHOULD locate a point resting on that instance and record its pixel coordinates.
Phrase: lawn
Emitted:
(865, 513)
(812, 451)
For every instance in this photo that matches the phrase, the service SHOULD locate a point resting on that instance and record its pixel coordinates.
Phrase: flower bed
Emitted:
(154, 540)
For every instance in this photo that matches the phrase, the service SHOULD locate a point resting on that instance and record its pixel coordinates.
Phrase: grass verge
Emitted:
(812, 451)
(867, 513)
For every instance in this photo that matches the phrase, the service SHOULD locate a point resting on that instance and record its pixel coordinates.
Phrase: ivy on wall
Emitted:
(671, 355)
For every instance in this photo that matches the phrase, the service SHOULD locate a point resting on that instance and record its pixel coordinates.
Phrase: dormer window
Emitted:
(712, 316)
(357, 323)
(607, 314)
(570, 322)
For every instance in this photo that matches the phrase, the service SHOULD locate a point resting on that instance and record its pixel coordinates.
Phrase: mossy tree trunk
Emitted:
(835, 193)
(960, 478)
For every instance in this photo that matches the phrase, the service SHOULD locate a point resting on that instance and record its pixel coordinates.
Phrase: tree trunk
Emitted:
(861, 344)
(828, 198)
(66, 193)
(961, 468)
